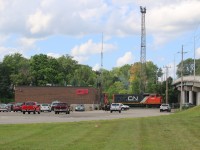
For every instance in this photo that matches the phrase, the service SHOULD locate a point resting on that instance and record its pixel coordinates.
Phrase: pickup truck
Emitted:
(30, 107)
(116, 107)
(61, 107)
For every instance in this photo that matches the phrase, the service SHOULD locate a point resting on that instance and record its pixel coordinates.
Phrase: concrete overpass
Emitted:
(191, 89)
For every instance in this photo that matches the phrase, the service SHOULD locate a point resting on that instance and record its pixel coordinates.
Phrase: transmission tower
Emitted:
(143, 51)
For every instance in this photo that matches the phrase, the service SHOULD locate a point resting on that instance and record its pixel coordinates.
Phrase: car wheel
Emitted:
(55, 112)
(24, 112)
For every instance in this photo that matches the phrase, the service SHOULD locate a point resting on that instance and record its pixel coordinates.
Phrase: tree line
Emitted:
(43, 70)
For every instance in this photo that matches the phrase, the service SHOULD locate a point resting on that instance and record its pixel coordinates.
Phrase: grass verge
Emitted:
(179, 131)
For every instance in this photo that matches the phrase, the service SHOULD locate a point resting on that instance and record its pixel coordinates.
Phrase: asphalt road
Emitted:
(48, 117)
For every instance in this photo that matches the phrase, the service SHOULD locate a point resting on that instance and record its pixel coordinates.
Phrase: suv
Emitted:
(165, 107)
(61, 107)
(116, 107)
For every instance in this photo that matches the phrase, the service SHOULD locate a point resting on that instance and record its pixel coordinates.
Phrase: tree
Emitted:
(19, 69)
(44, 70)
(67, 69)
(152, 74)
(188, 67)
(6, 90)
(83, 76)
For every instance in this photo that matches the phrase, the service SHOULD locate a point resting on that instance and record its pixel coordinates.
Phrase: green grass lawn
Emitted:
(179, 131)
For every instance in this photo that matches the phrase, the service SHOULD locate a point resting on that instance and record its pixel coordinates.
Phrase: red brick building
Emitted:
(71, 95)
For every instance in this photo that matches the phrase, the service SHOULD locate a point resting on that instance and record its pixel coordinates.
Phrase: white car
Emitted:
(3, 107)
(53, 104)
(45, 107)
(125, 107)
(116, 107)
(165, 107)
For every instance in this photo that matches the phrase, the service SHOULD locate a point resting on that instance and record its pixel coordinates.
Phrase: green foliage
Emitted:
(188, 67)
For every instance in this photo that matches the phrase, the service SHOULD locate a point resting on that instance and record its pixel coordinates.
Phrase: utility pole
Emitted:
(194, 57)
(143, 51)
(181, 100)
(101, 73)
(166, 92)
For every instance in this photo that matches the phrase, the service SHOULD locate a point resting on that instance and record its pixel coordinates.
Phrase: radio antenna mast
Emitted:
(143, 51)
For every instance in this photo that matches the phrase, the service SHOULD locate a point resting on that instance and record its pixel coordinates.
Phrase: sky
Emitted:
(84, 28)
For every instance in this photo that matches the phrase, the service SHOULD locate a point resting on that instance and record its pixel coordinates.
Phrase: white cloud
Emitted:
(81, 59)
(198, 53)
(38, 22)
(90, 48)
(24, 24)
(126, 59)
(168, 20)
(27, 42)
(96, 67)
(54, 55)
(7, 51)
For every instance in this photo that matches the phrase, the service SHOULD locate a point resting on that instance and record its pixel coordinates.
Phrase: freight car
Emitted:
(138, 100)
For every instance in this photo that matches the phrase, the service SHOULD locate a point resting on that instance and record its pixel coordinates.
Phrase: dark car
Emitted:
(10, 106)
(80, 107)
(17, 107)
(187, 105)
(61, 108)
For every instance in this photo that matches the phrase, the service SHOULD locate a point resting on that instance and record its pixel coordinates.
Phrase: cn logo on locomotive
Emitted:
(133, 98)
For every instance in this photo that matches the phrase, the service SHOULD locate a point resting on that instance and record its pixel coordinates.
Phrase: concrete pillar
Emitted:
(184, 97)
(191, 99)
(198, 98)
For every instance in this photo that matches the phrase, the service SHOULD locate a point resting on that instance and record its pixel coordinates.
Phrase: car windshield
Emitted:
(18, 104)
(115, 104)
(44, 104)
(61, 104)
(3, 105)
(30, 103)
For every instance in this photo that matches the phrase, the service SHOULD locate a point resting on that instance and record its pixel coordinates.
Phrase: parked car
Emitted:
(116, 107)
(17, 107)
(3, 107)
(80, 107)
(45, 107)
(61, 108)
(125, 107)
(53, 104)
(10, 106)
(165, 107)
(106, 107)
(31, 107)
(187, 105)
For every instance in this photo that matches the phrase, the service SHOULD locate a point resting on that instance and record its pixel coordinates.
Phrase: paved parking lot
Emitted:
(47, 117)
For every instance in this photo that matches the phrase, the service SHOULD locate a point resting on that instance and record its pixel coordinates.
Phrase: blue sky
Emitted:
(60, 27)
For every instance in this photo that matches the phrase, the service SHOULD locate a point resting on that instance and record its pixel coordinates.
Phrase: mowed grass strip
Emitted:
(178, 131)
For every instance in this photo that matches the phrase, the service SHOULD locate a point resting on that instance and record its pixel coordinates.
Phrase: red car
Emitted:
(17, 107)
(31, 107)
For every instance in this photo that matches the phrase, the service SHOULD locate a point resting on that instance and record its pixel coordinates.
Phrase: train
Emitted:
(138, 100)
